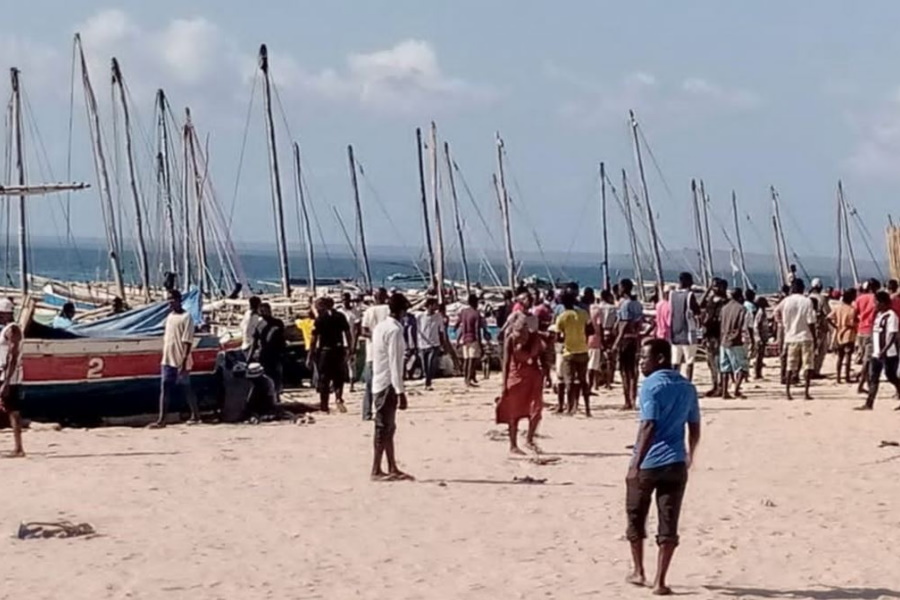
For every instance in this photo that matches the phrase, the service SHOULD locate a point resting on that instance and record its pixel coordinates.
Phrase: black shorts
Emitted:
(386, 403)
(669, 483)
(331, 364)
(13, 400)
(628, 354)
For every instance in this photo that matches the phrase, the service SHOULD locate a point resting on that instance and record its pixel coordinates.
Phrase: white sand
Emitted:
(787, 500)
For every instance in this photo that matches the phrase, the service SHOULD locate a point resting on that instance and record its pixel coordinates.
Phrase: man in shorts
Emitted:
(660, 463)
(388, 387)
(733, 363)
(685, 311)
(11, 373)
(798, 317)
(470, 331)
(627, 344)
(844, 319)
(573, 325)
(865, 309)
(715, 298)
(884, 349)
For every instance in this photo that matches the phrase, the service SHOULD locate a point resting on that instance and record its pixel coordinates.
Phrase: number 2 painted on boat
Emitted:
(95, 368)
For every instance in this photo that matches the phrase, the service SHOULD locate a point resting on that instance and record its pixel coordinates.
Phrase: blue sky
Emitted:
(742, 94)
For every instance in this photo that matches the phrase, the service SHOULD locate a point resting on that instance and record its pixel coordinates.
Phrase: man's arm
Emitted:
(507, 351)
(396, 353)
(693, 440)
(187, 340)
(12, 358)
(641, 447)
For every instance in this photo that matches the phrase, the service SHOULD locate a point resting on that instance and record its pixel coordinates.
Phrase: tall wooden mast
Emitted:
(504, 211)
(304, 213)
(359, 219)
(432, 268)
(651, 222)
(458, 220)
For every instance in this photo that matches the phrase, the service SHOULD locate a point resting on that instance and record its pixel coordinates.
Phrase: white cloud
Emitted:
(189, 48)
(402, 79)
(596, 104)
(877, 151)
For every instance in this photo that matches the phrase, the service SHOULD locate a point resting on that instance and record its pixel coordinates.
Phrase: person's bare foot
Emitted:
(713, 393)
(662, 590)
(15, 454)
(516, 451)
(399, 476)
(807, 397)
(789, 397)
(726, 396)
(898, 408)
(863, 407)
(379, 476)
(156, 425)
(342, 408)
(626, 407)
(587, 413)
(534, 448)
(637, 579)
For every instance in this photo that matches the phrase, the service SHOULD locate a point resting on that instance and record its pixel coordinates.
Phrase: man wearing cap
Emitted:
(823, 309)
(11, 373)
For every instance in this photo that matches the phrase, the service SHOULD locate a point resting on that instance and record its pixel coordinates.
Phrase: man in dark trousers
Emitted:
(669, 405)
(328, 352)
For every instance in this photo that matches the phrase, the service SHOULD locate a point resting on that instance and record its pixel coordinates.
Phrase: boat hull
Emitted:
(85, 379)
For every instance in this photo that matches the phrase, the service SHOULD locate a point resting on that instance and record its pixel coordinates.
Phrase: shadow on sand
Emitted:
(827, 593)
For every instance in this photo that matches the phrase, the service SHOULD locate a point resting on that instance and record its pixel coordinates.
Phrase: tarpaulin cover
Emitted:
(140, 322)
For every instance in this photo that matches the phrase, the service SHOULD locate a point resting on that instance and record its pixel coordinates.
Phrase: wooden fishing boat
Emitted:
(109, 368)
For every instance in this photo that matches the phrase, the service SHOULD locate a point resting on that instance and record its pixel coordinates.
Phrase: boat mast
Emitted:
(102, 174)
(839, 274)
(278, 205)
(698, 230)
(846, 219)
(132, 182)
(20, 168)
(779, 229)
(603, 217)
(190, 140)
(438, 225)
(651, 223)
(359, 218)
(504, 211)
(632, 236)
(707, 238)
(458, 220)
(164, 175)
(186, 204)
(740, 246)
(779, 255)
(301, 199)
(431, 264)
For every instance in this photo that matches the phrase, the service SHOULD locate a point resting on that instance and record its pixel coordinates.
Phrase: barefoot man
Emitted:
(798, 316)
(388, 352)
(661, 461)
(11, 374)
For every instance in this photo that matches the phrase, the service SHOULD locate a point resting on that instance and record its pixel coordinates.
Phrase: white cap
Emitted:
(816, 283)
(6, 306)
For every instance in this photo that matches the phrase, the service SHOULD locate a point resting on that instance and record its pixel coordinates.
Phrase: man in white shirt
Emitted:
(388, 350)
(431, 339)
(248, 325)
(11, 373)
(798, 317)
(370, 320)
(178, 341)
(884, 349)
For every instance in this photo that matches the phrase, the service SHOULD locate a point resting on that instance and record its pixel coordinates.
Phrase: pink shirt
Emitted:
(663, 320)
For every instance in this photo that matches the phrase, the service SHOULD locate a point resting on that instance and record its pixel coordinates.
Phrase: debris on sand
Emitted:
(57, 529)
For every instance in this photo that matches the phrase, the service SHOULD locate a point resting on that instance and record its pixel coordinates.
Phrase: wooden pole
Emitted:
(504, 211)
(198, 198)
(603, 218)
(780, 240)
(846, 214)
(740, 246)
(307, 226)
(707, 238)
(458, 220)
(143, 263)
(839, 271)
(651, 222)
(164, 177)
(102, 175)
(632, 236)
(424, 196)
(277, 202)
(438, 225)
(359, 218)
(698, 230)
(20, 170)
(779, 254)
(186, 207)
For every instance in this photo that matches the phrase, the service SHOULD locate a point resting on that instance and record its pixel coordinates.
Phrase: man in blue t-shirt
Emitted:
(661, 460)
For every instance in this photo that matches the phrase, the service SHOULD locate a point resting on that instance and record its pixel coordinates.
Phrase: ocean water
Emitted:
(90, 263)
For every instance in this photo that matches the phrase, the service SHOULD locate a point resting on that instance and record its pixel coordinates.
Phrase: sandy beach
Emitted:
(786, 500)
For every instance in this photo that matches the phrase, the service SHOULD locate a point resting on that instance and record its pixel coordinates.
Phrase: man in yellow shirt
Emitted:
(573, 325)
